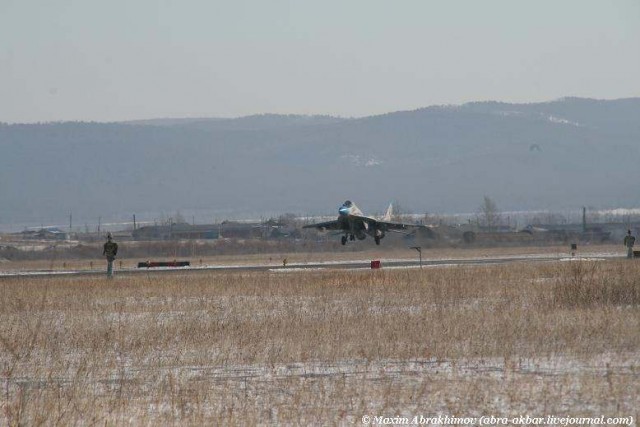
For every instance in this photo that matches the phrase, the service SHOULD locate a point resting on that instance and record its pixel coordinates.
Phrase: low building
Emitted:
(46, 233)
(176, 232)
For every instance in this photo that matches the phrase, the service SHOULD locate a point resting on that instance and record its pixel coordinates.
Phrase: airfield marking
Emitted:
(339, 265)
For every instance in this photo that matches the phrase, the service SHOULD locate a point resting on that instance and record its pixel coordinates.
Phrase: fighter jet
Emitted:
(352, 222)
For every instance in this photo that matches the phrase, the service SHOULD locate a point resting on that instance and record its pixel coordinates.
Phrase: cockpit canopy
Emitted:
(347, 204)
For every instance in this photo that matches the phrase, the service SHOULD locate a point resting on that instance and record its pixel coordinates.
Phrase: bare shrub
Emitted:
(596, 284)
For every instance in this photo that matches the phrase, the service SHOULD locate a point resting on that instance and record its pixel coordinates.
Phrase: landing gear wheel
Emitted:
(344, 240)
(352, 237)
(377, 239)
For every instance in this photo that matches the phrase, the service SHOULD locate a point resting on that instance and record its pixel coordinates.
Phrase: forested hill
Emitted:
(556, 155)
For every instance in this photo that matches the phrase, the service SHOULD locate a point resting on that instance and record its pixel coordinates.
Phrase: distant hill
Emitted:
(554, 155)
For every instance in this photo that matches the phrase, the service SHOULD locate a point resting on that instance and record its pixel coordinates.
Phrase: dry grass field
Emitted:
(322, 347)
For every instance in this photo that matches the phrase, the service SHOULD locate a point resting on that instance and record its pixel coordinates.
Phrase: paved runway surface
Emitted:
(293, 267)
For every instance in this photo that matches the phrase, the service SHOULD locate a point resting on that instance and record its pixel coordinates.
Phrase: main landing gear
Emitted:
(351, 237)
(344, 239)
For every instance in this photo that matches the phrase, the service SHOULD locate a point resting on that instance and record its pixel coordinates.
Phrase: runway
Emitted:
(300, 267)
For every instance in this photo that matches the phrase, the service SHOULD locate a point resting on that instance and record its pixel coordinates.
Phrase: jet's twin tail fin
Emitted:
(387, 216)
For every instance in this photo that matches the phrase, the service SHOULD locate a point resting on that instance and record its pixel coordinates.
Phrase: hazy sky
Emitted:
(136, 59)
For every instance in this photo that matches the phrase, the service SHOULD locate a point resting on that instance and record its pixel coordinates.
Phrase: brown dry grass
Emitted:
(322, 347)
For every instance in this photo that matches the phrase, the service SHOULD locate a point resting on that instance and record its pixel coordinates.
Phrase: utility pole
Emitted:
(419, 249)
(70, 222)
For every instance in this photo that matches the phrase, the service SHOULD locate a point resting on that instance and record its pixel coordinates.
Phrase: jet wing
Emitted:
(396, 227)
(329, 225)
(384, 225)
